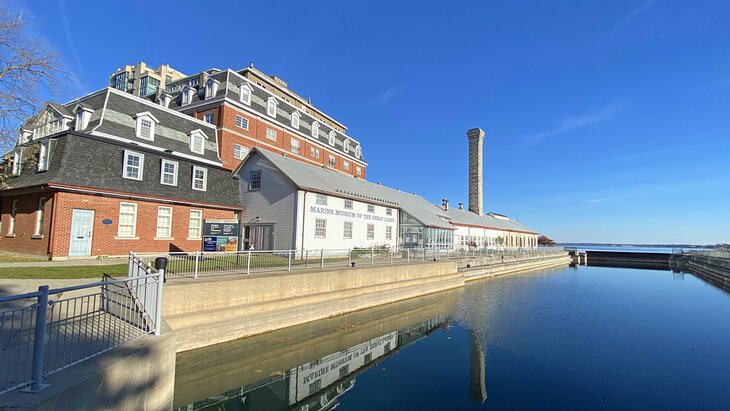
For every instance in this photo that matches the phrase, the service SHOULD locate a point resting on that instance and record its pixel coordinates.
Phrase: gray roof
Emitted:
(323, 180)
(465, 217)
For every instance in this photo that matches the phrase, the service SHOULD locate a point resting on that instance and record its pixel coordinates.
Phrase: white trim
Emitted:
(332, 138)
(39, 217)
(162, 172)
(156, 148)
(127, 153)
(298, 116)
(193, 134)
(200, 220)
(43, 153)
(13, 216)
(158, 107)
(134, 225)
(314, 129)
(140, 117)
(169, 227)
(269, 101)
(212, 85)
(243, 119)
(205, 178)
(240, 94)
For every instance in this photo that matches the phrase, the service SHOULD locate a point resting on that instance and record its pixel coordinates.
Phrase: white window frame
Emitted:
(370, 234)
(17, 163)
(371, 208)
(388, 211)
(212, 117)
(195, 215)
(358, 170)
(163, 173)
(358, 151)
(240, 120)
(205, 178)
(332, 161)
(37, 230)
(348, 204)
(211, 88)
(134, 221)
(168, 227)
(270, 132)
(332, 138)
(388, 233)
(346, 145)
(315, 129)
(194, 136)
(245, 97)
(320, 228)
(127, 154)
(242, 151)
(271, 104)
(347, 231)
(187, 95)
(251, 179)
(295, 146)
(13, 214)
(320, 199)
(142, 117)
(295, 117)
(43, 159)
(346, 165)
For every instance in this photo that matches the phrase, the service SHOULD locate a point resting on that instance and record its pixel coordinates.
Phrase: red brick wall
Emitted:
(104, 238)
(24, 242)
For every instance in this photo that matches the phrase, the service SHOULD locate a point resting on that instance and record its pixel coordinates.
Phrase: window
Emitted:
(358, 170)
(388, 211)
(344, 370)
(347, 230)
(200, 178)
(346, 146)
(332, 138)
(164, 222)
(320, 228)
(245, 93)
(82, 118)
(314, 152)
(127, 220)
(187, 95)
(315, 129)
(17, 162)
(346, 165)
(211, 88)
(331, 161)
(254, 181)
(11, 223)
(209, 118)
(315, 386)
(271, 107)
(295, 119)
(196, 222)
(271, 134)
(38, 231)
(388, 233)
(321, 199)
(133, 165)
(168, 173)
(241, 122)
(358, 151)
(371, 232)
(145, 125)
(43, 156)
(119, 81)
(295, 146)
(371, 208)
(348, 204)
(197, 142)
(239, 151)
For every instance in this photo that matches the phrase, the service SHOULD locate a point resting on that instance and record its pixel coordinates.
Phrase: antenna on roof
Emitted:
(250, 64)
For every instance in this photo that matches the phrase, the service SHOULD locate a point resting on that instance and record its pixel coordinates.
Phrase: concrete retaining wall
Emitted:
(139, 375)
(712, 269)
(511, 265)
(207, 312)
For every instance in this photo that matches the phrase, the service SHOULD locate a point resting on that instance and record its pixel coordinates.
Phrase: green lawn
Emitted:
(91, 271)
(9, 258)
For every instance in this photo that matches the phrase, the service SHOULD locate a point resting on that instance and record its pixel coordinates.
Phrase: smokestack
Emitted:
(445, 204)
(476, 141)
(461, 206)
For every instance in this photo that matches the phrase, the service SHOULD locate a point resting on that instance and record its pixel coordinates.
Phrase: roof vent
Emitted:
(445, 204)
(461, 206)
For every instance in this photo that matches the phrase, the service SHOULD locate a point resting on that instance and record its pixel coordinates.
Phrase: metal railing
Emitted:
(204, 264)
(718, 253)
(49, 330)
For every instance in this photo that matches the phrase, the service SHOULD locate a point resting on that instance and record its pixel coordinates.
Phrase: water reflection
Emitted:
(309, 367)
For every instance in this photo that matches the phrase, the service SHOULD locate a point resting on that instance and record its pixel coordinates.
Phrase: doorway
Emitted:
(82, 229)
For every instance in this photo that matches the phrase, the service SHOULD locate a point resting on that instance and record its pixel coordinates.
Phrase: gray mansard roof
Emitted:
(229, 87)
(464, 217)
(319, 179)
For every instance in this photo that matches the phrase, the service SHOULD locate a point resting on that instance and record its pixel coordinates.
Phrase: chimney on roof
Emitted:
(250, 64)
(461, 206)
(476, 142)
(445, 204)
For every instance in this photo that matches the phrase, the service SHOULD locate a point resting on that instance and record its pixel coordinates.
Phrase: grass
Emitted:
(9, 258)
(65, 272)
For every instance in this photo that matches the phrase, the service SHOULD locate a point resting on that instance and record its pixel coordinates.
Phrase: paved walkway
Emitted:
(66, 263)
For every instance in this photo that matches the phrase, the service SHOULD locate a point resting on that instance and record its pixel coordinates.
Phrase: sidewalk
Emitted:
(66, 263)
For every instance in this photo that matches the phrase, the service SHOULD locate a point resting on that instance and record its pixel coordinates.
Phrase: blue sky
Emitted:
(605, 121)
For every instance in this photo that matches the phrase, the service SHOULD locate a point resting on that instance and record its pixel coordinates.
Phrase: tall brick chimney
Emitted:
(476, 198)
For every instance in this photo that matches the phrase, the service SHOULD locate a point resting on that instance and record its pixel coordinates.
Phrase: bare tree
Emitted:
(29, 70)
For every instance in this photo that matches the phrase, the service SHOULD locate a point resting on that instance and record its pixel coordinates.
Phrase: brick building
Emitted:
(109, 173)
(251, 109)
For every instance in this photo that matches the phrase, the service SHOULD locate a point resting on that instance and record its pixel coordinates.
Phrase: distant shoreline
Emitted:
(644, 245)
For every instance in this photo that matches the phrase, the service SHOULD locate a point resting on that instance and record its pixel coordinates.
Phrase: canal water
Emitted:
(566, 339)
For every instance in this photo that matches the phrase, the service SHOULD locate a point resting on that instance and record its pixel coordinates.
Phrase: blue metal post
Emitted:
(39, 341)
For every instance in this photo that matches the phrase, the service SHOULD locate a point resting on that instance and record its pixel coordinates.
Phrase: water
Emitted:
(566, 339)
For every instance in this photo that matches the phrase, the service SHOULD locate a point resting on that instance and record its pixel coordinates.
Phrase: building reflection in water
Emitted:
(478, 381)
(318, 384)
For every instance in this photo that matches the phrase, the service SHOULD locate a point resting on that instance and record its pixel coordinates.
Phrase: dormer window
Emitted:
(211, 88)
(187, 95)
(197, 142)
(165, 99)
(315, 129)
(17, 158)
(145, 125)
(83, 115)
(358, 152)
(245, 94)
(332, 138)
(271, 106)
(295, 119)
(43, 156)
(25, 136)
(346, 146)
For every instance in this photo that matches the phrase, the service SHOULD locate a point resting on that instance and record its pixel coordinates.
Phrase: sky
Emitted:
(604, 121)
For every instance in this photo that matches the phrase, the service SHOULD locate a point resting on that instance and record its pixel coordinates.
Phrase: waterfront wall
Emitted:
(139, 375)
(476, 268)
(714, 270)
(219, 310)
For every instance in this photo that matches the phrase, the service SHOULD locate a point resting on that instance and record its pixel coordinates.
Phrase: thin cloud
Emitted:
(389, 94)
(644, 6)
(572, 123)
